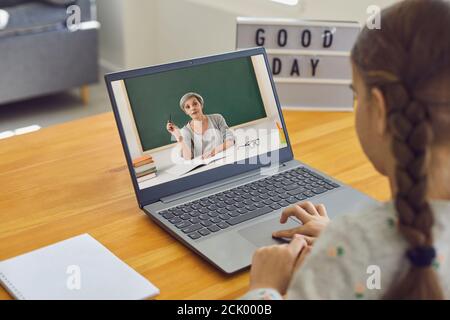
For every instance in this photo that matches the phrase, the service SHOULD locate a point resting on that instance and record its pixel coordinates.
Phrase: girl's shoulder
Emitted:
(372, 216)
(367, 234)
(383, 217)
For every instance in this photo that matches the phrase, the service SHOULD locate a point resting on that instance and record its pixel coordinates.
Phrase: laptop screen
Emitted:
(188, 120)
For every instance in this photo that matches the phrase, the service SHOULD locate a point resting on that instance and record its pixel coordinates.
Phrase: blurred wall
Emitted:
(109, 13)
(145, 32)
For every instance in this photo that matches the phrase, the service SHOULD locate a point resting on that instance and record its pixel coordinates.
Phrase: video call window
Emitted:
(185, 121)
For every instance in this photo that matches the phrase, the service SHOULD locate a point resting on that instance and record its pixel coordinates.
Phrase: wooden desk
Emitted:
(71, 179)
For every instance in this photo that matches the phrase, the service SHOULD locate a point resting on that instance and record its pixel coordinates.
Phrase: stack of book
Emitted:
(144, 168)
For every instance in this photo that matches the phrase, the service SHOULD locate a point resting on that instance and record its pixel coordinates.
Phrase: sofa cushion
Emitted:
(34, 17)
(60, 2)
(10, 3)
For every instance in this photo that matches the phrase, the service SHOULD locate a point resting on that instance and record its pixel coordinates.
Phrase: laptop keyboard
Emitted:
(219, 211)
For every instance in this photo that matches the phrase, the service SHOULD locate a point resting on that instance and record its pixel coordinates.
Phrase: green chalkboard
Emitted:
(228, 87)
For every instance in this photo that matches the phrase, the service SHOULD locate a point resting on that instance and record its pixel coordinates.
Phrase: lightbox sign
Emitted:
(310, 60)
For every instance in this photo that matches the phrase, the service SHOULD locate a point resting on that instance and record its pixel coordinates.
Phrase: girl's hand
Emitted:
(305, 252)
(173, 130)
(313, 217)
(273, 266)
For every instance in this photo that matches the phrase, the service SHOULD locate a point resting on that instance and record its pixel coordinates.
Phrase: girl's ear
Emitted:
(380, 108)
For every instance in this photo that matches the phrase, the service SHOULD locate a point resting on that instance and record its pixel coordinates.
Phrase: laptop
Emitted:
(223, 204)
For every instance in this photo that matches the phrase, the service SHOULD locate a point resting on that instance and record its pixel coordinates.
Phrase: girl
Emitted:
(401, 77)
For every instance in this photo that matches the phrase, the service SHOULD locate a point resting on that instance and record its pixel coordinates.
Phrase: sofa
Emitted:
(40, 55)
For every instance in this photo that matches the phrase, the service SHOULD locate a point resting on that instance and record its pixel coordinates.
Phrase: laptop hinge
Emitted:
(191, 192)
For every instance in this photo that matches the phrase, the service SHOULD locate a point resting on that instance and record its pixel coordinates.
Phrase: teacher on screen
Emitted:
(204, 135)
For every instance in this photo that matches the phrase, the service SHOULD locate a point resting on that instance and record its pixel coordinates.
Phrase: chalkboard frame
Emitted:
(154, 194)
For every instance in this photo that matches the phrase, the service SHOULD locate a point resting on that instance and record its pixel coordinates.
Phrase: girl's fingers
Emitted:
(309, 240)
(309, 207)
(296, 245)
(303, 230)
(322, 210)
(288, 233)
(297, 212)
(301, 258)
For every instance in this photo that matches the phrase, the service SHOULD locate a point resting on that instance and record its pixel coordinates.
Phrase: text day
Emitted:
(277, 67)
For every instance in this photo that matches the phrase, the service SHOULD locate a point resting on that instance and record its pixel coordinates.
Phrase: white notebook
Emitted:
(74, 269)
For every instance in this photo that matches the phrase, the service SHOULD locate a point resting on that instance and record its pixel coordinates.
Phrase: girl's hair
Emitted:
(408, 59)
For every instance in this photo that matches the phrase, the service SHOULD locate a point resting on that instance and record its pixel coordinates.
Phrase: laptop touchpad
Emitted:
(260, 234)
